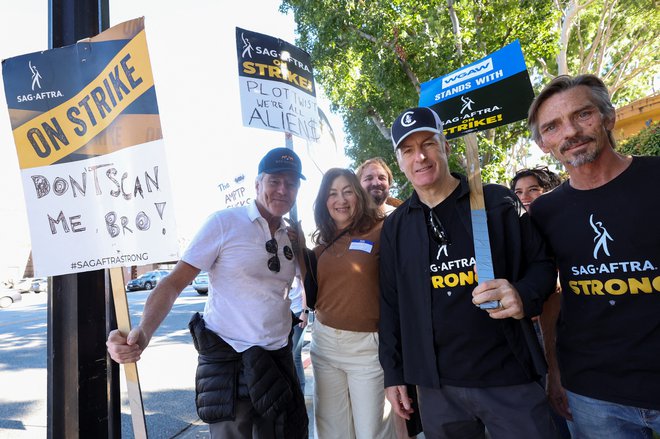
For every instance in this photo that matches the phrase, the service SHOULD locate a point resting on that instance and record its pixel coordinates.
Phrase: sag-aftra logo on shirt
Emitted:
(613, 278)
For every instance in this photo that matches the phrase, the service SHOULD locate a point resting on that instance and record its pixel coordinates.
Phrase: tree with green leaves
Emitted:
(370, 58)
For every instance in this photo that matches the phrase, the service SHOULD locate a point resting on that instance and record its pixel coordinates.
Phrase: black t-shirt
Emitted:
(471, 349)
(607, 245)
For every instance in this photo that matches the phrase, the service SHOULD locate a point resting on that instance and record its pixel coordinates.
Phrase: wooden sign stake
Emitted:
(130, 369)
(482, 253)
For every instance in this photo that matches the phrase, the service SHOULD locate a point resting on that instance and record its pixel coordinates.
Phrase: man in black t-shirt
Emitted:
(602, 226)
(474, 369)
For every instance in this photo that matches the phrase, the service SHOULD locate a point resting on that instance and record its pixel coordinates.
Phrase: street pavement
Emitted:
(200, 430)
(23, 380)
(166, 371)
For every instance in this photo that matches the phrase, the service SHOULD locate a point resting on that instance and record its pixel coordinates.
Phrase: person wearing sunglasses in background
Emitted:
(246, 384)
(349, 400)
(475, 369)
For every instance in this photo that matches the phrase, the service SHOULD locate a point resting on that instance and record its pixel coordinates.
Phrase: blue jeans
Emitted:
(296, 349)
(596, 419)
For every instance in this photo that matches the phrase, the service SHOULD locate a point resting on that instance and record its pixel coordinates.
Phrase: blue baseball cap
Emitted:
(281, 160)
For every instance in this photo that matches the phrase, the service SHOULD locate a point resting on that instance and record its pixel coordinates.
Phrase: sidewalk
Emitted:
(200, 430)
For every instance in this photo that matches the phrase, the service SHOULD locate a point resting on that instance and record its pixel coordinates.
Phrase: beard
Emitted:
(378, 194)
(587, 156)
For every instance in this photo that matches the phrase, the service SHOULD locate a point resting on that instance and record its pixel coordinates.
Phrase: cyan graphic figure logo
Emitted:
(36, 76)
(247, 47)
(601, 238)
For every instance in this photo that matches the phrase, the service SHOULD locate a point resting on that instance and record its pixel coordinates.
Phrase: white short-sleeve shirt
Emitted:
(247, 303)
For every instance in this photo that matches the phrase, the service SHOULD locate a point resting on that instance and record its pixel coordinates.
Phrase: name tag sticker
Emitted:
(362, 245)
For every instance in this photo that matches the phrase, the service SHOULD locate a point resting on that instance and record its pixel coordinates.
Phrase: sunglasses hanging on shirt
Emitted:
(274, 261)
(437, 230)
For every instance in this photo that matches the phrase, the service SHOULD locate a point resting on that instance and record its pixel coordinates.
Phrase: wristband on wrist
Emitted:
(306, 311)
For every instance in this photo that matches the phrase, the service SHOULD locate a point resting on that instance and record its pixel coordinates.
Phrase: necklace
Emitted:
(338, 248)
(335, 239)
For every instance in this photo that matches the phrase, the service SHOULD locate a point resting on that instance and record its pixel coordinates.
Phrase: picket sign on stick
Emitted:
(482, 254)
(488, 93)
(130, 369)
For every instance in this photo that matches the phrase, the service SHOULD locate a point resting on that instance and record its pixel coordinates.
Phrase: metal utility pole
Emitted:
(83, 383)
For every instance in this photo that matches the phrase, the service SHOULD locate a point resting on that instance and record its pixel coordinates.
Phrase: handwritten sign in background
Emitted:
(276, 85)
(89, 143)
(238, 190)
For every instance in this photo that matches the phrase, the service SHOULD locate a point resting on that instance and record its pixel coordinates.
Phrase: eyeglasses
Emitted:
(273, 262)
(438, 232)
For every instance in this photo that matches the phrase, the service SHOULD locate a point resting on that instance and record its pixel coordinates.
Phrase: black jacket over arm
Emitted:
(406, 348)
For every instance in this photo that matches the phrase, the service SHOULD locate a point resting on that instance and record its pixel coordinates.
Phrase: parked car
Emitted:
(39, 285)
(147, 280)
(7, 297)
(23, 286)
(201, 283)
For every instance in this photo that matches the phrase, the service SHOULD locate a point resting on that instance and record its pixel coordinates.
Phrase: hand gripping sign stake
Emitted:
(130, 369)
(480, 237)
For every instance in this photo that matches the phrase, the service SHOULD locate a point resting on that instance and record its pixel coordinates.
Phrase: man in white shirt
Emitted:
(251, 263)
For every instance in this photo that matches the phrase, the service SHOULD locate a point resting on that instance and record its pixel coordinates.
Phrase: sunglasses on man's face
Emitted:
(438, 232)
(274, 261)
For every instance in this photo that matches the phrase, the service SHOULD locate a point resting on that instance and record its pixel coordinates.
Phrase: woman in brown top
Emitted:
(348, 394)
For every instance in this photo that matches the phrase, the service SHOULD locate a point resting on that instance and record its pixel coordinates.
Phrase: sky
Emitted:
(193, 57)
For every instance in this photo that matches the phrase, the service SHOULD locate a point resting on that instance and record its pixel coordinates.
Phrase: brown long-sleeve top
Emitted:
(348, 287)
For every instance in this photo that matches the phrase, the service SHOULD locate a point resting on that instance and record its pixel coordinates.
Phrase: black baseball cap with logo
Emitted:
(413, 120)
(281, 160)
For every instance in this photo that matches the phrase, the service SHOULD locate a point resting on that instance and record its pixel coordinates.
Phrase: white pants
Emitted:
(349, 398)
